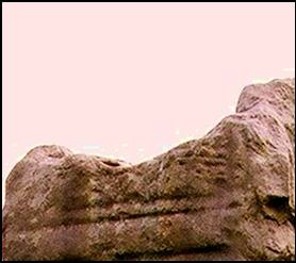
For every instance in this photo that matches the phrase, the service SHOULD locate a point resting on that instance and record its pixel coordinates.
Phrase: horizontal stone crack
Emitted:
(170, 252)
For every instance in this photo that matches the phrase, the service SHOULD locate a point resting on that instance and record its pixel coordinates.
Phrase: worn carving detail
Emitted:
(227, 196)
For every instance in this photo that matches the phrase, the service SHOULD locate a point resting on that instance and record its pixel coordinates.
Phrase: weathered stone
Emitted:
(227, 196)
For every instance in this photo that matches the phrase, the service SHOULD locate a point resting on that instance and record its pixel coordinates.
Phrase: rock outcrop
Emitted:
(227, 196)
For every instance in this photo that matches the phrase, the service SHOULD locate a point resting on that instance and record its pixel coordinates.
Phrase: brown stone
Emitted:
(227, 196)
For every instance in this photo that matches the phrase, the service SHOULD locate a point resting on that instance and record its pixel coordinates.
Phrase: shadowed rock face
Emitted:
(227, 196)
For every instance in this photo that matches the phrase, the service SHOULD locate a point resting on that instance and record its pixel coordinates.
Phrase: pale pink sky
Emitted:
(132, 80)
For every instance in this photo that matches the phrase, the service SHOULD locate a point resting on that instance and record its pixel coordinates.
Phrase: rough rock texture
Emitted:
(227, 196)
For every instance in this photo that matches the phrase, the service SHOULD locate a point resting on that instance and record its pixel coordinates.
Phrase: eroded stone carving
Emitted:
(227, 196)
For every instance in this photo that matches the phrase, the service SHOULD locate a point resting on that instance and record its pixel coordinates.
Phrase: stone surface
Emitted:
(227, 196)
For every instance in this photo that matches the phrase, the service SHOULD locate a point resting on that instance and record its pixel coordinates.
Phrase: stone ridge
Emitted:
(227, 196)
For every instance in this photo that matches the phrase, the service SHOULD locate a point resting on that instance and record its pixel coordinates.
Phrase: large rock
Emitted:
(227, 196)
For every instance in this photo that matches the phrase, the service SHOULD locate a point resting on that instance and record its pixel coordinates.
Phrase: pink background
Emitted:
(132, 80)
